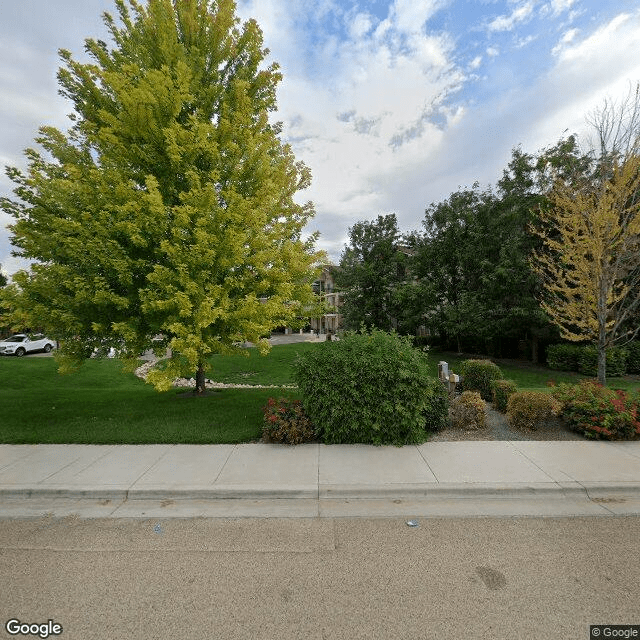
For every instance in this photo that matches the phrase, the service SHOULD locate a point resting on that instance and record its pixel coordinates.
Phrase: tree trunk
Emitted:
(602, 333)
(200, 387)
(602, 363)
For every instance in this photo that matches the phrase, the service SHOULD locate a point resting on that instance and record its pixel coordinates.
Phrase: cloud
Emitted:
(375, 105)
(567, 37)
(556, 7)
(507, 23)
(409, 16)
(361, 25)
(585, 72)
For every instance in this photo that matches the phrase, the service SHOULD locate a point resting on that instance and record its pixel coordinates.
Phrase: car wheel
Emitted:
(47, 348)
(20, 352)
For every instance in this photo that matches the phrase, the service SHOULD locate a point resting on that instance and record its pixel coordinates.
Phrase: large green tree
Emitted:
(370, 269)
(479, 290)
(168, 206)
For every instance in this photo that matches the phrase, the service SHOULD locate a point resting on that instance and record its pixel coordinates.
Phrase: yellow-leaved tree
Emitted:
(590, 264)
(167, 209)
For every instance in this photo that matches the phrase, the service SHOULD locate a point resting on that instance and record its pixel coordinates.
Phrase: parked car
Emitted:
(20, 344)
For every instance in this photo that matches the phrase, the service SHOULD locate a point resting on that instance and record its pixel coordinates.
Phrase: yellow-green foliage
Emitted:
(501, 391)
(589, 264)
(477, 375)
(468, 411)
(528, 409)
(169, 208)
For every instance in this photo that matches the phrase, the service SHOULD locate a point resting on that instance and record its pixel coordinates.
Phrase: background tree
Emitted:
(591, 269)
(445, 262)
(370, 268)
(168, 206)
(479, 288)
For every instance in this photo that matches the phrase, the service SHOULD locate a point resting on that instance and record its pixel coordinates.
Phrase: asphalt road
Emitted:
(316, 578)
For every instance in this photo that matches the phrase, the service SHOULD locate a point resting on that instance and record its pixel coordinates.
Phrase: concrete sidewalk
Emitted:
(434, 479)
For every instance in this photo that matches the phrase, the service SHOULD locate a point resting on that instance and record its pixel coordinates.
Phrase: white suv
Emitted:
(21, 344)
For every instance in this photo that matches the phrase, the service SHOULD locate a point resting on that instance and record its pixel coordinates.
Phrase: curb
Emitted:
(496, 491)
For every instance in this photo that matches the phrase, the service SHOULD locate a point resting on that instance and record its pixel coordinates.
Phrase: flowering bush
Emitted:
(598, 412)
(286, 422)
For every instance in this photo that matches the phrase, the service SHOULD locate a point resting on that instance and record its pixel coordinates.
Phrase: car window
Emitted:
(16, 339)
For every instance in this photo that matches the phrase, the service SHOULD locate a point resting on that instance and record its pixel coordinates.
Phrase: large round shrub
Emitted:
(477, 375)
(371, 388)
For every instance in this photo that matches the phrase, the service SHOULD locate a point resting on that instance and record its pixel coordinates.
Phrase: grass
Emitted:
(101, 405)
(255, 369)
(530, 377)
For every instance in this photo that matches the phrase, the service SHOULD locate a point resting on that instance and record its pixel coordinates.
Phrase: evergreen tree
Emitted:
(168, 206)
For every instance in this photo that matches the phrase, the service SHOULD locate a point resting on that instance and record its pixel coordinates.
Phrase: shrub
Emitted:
(527, 409)
(286, 422)
(616, 361)
(501, 390)
(599, 412)
(369, 387)
(633, 357)
(437, 406)
(477, 376)
(468, 411)
(563, 357)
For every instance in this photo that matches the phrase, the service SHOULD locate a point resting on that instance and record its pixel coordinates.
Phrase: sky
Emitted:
(392, 104)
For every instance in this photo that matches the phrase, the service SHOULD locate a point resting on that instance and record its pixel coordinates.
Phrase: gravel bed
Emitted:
(498, 429)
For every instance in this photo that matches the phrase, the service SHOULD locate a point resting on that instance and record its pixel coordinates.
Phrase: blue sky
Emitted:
(393, 104)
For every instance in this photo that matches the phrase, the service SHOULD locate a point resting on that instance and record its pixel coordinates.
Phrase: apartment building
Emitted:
(330, 322)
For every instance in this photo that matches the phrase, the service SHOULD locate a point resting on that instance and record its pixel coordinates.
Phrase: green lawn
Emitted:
(531, 377)
(101, 405)
(272, 369)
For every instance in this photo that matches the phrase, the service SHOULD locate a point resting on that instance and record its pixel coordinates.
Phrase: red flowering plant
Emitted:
(598, 412)
(286, 422)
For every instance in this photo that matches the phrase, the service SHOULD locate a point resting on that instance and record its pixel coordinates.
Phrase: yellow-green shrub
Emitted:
(468, 411)
(501, 390)
(527, 409)
(477, 375)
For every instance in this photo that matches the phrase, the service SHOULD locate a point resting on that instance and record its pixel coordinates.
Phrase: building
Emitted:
(330, 322)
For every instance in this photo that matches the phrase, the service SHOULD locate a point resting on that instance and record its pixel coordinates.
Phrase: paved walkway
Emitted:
(433, 479)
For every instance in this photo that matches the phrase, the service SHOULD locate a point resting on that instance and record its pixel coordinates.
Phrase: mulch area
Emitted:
(497, 428)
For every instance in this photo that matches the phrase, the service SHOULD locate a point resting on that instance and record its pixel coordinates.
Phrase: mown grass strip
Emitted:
(101, 405)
